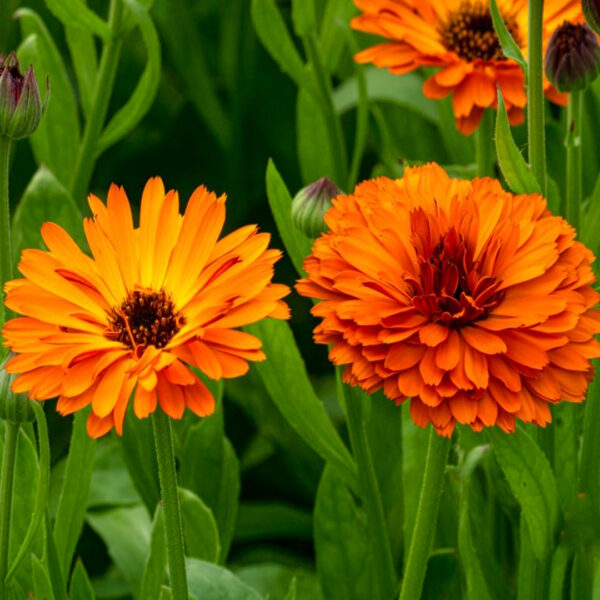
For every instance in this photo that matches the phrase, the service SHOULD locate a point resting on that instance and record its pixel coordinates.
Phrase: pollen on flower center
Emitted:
(145, 318)
(450, 290)
(470, 32)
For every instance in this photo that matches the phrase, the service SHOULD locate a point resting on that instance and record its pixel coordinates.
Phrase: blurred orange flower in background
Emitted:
(474, 302)
(458, 37)
(151, 301)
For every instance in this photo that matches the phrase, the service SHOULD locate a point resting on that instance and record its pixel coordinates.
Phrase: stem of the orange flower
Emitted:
(86, 157)
(528, 583)
(11, 435)
(426, 521)
(484, 145)
(167, 475)
(574, 155)
(5, 232)
(535, 94)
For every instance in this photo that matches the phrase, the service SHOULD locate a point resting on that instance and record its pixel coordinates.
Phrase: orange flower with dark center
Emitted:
(475, 303)
(150, 303)
(458, 37)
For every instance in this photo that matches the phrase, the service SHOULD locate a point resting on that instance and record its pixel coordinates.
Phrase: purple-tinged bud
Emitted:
(591, 10)
(20, 102)
(310, 205)
(572, 58)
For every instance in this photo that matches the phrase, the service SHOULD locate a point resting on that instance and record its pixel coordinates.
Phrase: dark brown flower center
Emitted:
(470, 32)
(450, 290)
(145, 318)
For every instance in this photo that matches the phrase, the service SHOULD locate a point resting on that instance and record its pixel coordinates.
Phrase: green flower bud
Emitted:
(572, 58)
(20, 102)
(591, 10)
(15, 408)
(310, 205)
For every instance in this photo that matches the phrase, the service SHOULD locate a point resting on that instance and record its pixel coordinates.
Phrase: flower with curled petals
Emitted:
(475, 303)
(149, 303)
(458, 38)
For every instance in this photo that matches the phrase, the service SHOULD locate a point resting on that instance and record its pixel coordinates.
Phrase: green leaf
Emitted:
(509, 46)
(199, 528)
(566, 452)
(75, 490)
(60, 121)
(303, 16)
(314, 147)
(128, 550)
(532, 482)
(590, 223)
(154, 569)
(81, 588)
(139, 455)
(384, 430)
(343, 559)
(206, 580)
(140, 101)
(77, 14)
(182, 40)
(337, 14)
(261, 521)
(41, 580)
(85, 63)
(298, 246)
(286, 380)
(45, 199)
(382, 86)
(24, 493)
(516, 171)
(274, 35)
(42, 490)
(229, 493)
(280, 582)
(165, 593)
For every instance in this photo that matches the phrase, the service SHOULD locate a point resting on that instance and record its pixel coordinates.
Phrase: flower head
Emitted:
(573, 57)
(150, 303)
(473, 302)
(458, 37)
(20, 101)
(310, 205)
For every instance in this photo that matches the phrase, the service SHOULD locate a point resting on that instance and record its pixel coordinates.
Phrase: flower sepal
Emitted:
(591, 10)
(15, 408)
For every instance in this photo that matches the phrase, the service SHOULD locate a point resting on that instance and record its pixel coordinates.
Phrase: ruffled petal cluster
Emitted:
(151, 302)
(458, 37)
(475, 303)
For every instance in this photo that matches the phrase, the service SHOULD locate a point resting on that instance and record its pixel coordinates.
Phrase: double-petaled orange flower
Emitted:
(458, 37)
(149, 303)
(475, 303)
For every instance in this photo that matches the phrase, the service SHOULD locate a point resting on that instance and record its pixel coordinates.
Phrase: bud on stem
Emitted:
(310, 205)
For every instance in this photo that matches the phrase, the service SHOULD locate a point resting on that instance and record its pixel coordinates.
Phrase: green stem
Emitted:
(170, 500)
(356, 411)
(484, 145)
(528, 584)
(535, 94)
(86, 157)
(560, 562)
(6, 496)
(332, 120)
(5, 231)
(426, 520)
(589, 466)
(574, 170)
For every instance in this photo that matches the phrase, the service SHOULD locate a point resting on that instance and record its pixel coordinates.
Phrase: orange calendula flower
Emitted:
(458, 37)
(473, 302)
(149, 303)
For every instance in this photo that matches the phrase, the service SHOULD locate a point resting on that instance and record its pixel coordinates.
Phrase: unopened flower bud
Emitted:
(573, 57)
(15, 408)
(20, 101)
(310, 205)
(591, 10)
